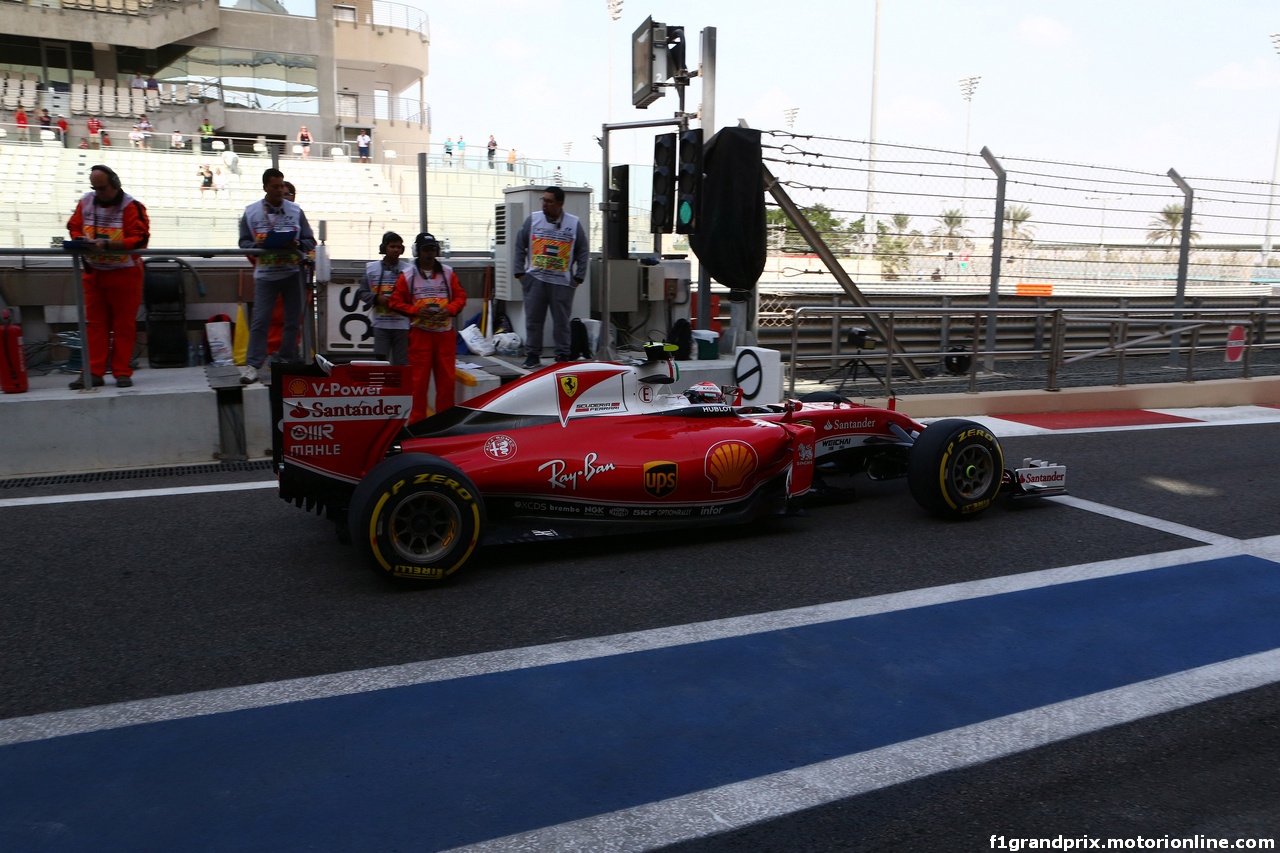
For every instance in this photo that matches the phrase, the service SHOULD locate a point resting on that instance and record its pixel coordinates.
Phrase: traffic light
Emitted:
(664, 183)
(616, 219)
(689, 196)
(648, 63)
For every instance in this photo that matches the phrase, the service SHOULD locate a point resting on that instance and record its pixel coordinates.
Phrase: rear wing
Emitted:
(331, 423)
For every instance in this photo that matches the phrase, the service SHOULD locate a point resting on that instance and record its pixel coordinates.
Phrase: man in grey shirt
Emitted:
(552, 254)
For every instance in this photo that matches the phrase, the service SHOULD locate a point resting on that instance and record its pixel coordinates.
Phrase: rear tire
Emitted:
(416, 517)
(955, 468)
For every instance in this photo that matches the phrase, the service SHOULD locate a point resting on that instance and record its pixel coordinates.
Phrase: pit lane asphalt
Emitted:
(115, 600)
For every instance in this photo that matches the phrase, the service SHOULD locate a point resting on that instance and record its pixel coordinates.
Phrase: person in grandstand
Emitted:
(430, 296)
(110, 219)
(304, 141)
(363, 141)
(551, 254)
(390, 330)
(275, 223)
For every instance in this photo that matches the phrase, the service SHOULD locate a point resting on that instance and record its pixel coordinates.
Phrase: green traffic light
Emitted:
(686, 212)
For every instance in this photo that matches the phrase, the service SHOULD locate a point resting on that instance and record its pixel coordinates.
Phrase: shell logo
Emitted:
(297, 388)
(729, 463)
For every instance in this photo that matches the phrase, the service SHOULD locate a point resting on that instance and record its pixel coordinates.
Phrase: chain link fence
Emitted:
(897, 213)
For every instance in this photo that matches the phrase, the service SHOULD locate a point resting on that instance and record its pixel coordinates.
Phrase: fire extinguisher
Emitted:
(13, 364)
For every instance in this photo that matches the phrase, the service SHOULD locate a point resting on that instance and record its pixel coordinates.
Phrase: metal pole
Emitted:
(606, 332)
(708, 74)
(1184, 256)
(422, 191)
(997, 246)
(869, 226)
(84, 331)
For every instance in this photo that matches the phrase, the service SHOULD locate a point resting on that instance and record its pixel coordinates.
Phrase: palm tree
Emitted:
(1167, 226)
(950, 227)
(1015, 218)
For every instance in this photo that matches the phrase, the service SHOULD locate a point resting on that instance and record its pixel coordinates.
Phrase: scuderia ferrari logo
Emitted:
(660, 478)
(569, 385)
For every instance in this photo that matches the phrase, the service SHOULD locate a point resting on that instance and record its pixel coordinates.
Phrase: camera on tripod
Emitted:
(859, 340)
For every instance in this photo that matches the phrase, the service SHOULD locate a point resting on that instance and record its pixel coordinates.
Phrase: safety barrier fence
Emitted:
(1059, 339)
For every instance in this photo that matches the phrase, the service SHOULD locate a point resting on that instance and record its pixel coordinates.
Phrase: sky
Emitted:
(1140, 84)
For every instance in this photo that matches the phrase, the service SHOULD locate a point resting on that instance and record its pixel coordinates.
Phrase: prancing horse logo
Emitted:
(569, 385)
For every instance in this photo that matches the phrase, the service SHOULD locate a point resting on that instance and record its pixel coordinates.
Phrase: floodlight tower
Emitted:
(1275, 176)
(790, 116)
(615, 12)
(968, 85)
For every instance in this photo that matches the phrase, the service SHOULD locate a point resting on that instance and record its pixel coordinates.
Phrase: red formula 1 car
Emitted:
(593, 448)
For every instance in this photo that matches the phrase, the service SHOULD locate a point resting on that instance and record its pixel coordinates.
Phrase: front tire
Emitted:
(416, 517)
(955, 468)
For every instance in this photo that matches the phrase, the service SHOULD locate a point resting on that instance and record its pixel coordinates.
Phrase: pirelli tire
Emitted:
(955, 468)
(416, 518)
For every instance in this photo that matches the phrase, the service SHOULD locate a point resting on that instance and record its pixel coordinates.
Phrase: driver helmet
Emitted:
(705, 392)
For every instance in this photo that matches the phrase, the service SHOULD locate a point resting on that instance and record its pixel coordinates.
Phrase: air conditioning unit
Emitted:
(507, 219)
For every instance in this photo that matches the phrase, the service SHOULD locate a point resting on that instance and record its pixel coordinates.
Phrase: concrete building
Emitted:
(258, 70)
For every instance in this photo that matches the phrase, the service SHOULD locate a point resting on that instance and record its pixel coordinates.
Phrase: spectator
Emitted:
(175, 141)
(20, 119)
(511, 160)
(135, 137)
(138, 82)
(492, 147)
(95, 131)
(152, 83)
(206, 136)
(448, 151)
(363, 141)
(110, 218)
(552, 253)
(430, 295)
(220, 182)
(276, 273)
(63, 128)
(937, 274)
(558, 177)
(46, 120)
(390, 330)
(205, 174)
(304, 139)
(106, 138)
(462, 152)
(145, 127)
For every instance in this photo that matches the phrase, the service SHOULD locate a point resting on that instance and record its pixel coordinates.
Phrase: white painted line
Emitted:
(767, 797)
(1144, 520)
(135, 493)
(122, 714)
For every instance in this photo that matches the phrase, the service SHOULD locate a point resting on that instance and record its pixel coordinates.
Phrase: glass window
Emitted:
(249, 79)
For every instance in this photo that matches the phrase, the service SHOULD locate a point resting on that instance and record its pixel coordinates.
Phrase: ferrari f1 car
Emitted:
(595, 448)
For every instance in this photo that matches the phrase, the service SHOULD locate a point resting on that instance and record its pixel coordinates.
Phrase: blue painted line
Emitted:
(441, 764)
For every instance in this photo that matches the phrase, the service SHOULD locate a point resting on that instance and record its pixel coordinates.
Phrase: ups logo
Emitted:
(660, 478)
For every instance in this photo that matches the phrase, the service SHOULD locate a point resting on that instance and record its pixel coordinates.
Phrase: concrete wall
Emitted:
(96, 432)
(175, 23)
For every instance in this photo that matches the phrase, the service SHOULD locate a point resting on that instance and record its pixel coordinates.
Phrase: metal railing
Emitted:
(1061, 337)
(77, 251)
(381, 13)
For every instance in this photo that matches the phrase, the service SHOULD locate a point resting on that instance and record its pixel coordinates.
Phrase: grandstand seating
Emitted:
(40, 184)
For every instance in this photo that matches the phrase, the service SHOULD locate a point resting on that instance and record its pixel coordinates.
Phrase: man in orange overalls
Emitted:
(431, 296)
(110, 218)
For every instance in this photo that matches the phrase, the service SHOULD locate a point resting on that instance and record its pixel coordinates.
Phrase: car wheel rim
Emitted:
(972, 471)
(424, 527)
